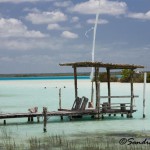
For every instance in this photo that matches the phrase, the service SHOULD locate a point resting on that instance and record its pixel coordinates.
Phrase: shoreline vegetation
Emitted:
(95, 141)
(122, 76)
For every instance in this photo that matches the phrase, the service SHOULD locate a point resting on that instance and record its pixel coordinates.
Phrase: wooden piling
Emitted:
(29, 119)
(32, 119)
(4, 122)
(61, 117)
(92, 93)
(97, 84)
(38, 119)
(132, 94)
(108, 84)
(45, 118)
(144, 92)
(60, 98)
(75, 82)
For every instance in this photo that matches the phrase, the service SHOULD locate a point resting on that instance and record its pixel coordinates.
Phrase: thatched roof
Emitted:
(102, 65)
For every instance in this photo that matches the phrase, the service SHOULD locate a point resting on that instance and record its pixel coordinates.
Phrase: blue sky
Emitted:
(37, 35)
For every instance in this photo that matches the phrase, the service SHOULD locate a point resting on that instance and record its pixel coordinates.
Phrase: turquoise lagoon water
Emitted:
(19, 95)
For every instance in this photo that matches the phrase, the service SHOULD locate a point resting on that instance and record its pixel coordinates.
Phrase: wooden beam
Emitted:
(108, 83)
(75, 82)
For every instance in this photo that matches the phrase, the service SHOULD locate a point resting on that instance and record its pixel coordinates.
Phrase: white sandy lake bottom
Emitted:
(18, 96)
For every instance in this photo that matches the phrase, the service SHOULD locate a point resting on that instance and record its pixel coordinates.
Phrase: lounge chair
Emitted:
(84, 103)
(33, 110)
(77, 104)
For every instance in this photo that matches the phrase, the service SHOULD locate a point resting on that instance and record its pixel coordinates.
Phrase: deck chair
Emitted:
(77, 104)
(33, 110)
(84, 103)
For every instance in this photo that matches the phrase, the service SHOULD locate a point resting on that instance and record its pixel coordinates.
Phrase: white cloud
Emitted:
(21, 1)
(106, 7)
(100, 21)
(69, 35)
(62, 4)
(24, 44)
(75, 19)
(46, 17)
(142, 16)
(54, 26)
(78, 26)
(15, 28)
(5, 59)
(35, 10)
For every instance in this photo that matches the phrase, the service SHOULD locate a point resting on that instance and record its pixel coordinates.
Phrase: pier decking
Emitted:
(52, 113)
(63, 113)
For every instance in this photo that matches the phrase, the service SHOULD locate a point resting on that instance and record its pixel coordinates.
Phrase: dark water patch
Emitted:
(7, 95)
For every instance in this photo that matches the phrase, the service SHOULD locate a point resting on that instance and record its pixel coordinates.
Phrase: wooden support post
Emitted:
(75, 82)
(144, 91)
(38, 119)
(61, 117)
(108, 82)
(92, 93)
(32, 119)
(4, 122)
(60, 98)
(121, 115)
(29, 119)
(97, 84)
(132, 94)
(127, 115)
(70, 118)
(45, 118)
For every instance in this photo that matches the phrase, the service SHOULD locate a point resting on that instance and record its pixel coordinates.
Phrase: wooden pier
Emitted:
(69, 113)
(79, 109)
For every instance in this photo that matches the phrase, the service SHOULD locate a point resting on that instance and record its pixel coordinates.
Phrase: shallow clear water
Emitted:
(19, 95)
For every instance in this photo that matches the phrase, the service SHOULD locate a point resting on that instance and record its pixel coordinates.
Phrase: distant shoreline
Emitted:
(43, 74)
(49, 74)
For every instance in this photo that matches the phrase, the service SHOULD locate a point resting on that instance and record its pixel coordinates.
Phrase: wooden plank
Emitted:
(120, 106)
(134, 96)
(117, 103)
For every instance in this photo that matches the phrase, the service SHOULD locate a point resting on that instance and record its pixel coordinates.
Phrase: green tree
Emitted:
(148, 77)
(126, 73)
(103, 78)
